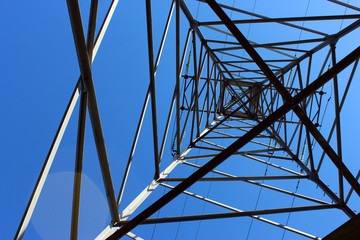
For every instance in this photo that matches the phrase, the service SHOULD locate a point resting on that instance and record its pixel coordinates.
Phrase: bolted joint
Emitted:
(332, 39)
(313, 177)
(114, 223)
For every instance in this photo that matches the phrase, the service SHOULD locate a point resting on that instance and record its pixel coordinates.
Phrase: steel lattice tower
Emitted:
(250, 117)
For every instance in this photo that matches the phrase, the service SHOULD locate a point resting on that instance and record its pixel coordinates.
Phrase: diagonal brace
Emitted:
(84, 64)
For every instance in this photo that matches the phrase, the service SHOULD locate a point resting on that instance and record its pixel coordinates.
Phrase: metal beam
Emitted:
(178, 72)
(285, 19)
(84, 64)
(81, 128)
(234, 214)
(152, 88)
(345, 5)
(78, 167)
(226, 179)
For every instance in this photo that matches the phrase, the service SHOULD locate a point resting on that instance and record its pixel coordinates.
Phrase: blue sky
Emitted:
(38, 72)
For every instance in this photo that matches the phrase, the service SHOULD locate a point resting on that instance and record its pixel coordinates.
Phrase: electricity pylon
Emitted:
(257, 117)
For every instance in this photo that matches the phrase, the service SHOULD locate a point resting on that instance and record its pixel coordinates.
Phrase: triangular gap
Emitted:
(222, 134)
(187, 89)
(58, 185)
(351, 77)
(32, 203)
(211, 89)
(250, 61)
(252, 42)
(330, 125)
(337, 139)
(313, 102)
(257, 142)
(268, 146)
(326, 63)
(242, 129)
(187, 122)
(293, 26)
(268, 163)
(254, 154)
(324, 101)
(289, 129)
(212, 205)
(221, 173)
(266, 149)
(263, 47)
(275, 100)
(212, 144)
(92, 188)
(266, 103)
(288, 118)
(206, 106)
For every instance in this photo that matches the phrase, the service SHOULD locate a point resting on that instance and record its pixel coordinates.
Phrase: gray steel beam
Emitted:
(178, 72)
(84, 64)
(81, 128)
(152, 87)
(285, 19)
(337, 121)
(91, 28)
(233, 214)
(345, 5)
(78, 167)
(236, 178)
